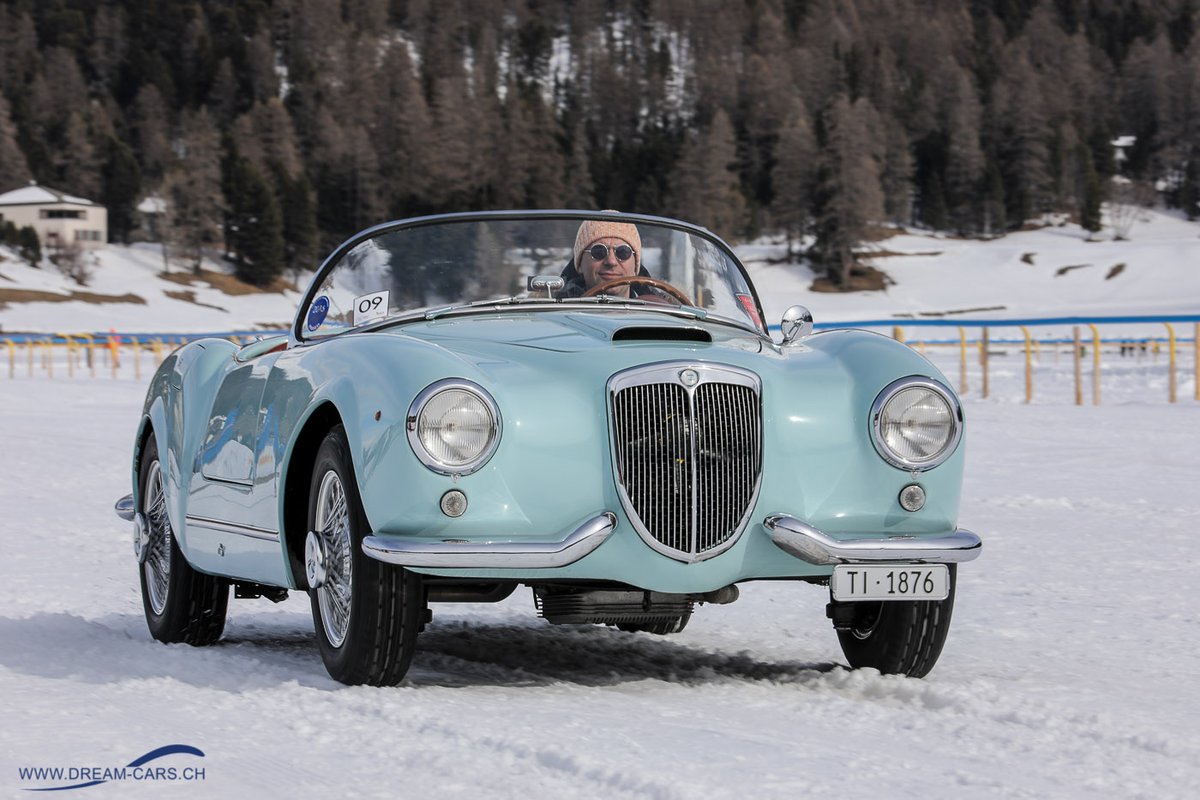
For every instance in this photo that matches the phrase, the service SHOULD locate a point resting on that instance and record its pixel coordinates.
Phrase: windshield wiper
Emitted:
(612, 299)
(434, 313)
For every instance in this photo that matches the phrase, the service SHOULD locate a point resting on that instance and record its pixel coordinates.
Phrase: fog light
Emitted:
(454, 503)
(912, 497)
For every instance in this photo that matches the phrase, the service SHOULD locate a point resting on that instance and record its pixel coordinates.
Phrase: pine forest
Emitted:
(276, 128)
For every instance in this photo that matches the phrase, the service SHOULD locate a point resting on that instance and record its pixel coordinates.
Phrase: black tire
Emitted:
(182, 605)
(386, 605)
(660, 627)
(901, 637)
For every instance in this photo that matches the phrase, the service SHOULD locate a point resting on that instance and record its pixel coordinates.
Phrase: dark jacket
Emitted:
(576, 285)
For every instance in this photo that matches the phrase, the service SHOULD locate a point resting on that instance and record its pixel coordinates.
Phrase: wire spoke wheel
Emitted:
(157, 567)
(181, 604)
(366, 613)
(333, 524)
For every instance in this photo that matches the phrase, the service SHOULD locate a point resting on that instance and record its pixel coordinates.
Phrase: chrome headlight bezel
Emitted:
(877, 421)
(418, 407)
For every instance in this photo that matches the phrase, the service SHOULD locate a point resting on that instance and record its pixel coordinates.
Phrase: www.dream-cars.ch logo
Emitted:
(140, 770)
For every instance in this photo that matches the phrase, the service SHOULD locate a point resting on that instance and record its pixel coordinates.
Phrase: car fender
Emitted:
(176, 410)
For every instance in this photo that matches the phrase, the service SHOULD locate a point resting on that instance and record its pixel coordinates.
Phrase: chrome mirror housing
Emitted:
(546, 283)
(797, 323)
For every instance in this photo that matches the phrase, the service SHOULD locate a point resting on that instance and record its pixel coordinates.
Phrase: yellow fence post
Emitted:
(12, 359)
(29, 350)
(137, 357)
(1095, 364)
(1171, 387)
(983, 359)
(91, 353)
(1079, 371)
(70, 355)
(48, 357)
(1028, 365)
(962, 361)
(898, 334)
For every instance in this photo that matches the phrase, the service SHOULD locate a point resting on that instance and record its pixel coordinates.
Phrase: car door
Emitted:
(232, 517)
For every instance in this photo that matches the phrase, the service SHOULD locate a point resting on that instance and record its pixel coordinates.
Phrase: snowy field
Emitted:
(1070, 669)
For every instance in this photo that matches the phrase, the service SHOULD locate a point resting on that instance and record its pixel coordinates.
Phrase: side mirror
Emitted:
(546, 283)
(797, 323)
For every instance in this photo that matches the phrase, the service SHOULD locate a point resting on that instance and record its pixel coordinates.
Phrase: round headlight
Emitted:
(916, 423)
(453, 427)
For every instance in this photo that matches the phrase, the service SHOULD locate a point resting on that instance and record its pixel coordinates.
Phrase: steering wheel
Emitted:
(627, 280)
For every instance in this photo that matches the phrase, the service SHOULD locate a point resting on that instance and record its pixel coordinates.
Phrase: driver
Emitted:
(606, 250)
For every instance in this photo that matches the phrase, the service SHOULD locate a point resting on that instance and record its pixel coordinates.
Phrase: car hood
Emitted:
(495, 334)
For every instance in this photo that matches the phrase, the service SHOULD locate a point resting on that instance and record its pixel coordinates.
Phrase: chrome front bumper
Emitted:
(817, 547)
(458, 553)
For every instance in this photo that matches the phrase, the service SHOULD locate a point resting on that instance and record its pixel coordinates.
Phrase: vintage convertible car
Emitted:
(455, 413)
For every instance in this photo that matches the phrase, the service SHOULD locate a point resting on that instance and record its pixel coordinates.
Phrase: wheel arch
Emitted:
(296, 477)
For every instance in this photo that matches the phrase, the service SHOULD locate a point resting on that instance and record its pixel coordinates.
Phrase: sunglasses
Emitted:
(599, 252)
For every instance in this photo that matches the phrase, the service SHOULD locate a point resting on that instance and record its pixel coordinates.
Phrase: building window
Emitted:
(60, 213)
(87, 236)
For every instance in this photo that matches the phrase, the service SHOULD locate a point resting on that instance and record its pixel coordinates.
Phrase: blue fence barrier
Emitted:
(127, 337)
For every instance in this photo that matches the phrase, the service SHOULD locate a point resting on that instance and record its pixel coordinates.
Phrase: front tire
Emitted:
(181, 604)
(366, 613)
(903, 637)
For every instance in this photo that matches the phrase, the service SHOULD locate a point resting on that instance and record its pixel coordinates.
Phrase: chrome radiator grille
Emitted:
(687, 446)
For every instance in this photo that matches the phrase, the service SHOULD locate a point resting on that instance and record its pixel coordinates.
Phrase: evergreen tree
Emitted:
(706, 187)
(298, 209)
(1091, 194)
(580, 189)
(253, 223)
(14, 171)
(849, 196)
(794, 174)
(995, 205)
(122, 183)
(76, 165)
(934, 205)
(1188, 194)
(29, 246)
(192, 190)
(151, 125)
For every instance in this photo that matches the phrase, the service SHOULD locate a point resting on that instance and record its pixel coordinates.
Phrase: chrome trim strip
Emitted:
(890, 391)
(817, 547)
(458, 553)
(233, 527)
(669, 373)
(125, 507)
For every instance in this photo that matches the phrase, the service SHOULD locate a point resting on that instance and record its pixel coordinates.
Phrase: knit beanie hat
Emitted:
(594, 229)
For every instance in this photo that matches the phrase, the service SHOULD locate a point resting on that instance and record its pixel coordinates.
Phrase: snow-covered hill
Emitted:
(1052, 271)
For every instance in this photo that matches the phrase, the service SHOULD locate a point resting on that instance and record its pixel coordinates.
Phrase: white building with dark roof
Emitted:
(58, 218)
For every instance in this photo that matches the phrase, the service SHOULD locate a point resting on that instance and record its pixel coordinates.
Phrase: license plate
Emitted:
(890, 582)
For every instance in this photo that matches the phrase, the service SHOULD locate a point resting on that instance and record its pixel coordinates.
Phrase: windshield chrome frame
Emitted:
(296, 339)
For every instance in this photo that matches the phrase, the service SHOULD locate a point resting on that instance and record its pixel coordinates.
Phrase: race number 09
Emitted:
(370, 306)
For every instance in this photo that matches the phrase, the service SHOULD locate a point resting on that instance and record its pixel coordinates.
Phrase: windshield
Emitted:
(438, 266)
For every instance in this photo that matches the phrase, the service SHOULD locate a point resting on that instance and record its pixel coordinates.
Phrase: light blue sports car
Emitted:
(585, 403)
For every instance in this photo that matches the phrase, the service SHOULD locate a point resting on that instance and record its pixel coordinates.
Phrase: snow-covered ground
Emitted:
(1069, 671)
